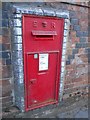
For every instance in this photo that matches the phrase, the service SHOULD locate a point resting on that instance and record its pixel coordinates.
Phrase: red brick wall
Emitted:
(5, 59)
(76, 78)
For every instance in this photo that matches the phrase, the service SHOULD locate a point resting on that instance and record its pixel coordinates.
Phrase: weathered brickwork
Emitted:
(76, 78)
(74, 60)
(5, 59)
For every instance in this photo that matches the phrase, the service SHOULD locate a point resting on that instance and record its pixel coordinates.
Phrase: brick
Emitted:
(17, 47)
(84, 45)
(62, 14)
(3, 48)
(83, 9)
(78, 15)
(69, 81)
(84, 28)
(81, 45)
(17, 31)
(81, 65)
(68, 86)
(16, 23)
(87, 38)
(78, 45)
(72, 14)
(2, 62)
(73, 8)
(71, 57)
(72, 73)
(5, 6)
(76, 27)
(6, 99)
(19, 38)
(76, 8)
(71, 90)
(82, 39)
(6, 47)
(85, 33)
(5, 39)
(74, 51)
(74, 21)
(48, 12)
(4, 15)
(7, 105)
(87, 50)
(6, 54)
(67, 62)
(80, 83)
(5, 82)
(81, 51)
(82, 70)
(79, 34)
(75, 40)
(4, 32)
(72, 66)
(57, 6)
(84, 16)
(77, 79)
(69, 51)
(85, 60)
(83, 22)
(73, 33)
(5, 71)
(17, 16)
(6, 87)
(8, 61)
(5, 23)
(82, 56)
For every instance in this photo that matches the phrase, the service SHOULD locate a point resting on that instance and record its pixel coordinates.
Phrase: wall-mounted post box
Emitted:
(42, 48)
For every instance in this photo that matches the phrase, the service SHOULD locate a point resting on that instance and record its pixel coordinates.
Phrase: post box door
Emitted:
(42, 48)
(41, 78)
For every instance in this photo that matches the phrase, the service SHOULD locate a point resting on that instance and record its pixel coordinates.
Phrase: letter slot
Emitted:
(44, 35)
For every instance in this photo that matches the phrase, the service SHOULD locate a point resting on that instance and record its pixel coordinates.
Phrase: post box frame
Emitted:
(16, 36)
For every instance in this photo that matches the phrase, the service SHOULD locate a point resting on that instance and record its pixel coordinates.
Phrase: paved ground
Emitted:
(76, 107)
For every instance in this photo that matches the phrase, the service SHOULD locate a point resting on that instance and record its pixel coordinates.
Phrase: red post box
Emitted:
(42, 49)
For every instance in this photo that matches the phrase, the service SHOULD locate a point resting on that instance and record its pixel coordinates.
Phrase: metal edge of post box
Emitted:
(42, 51)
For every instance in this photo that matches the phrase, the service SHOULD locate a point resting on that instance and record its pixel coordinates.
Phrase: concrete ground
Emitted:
(75, 107)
